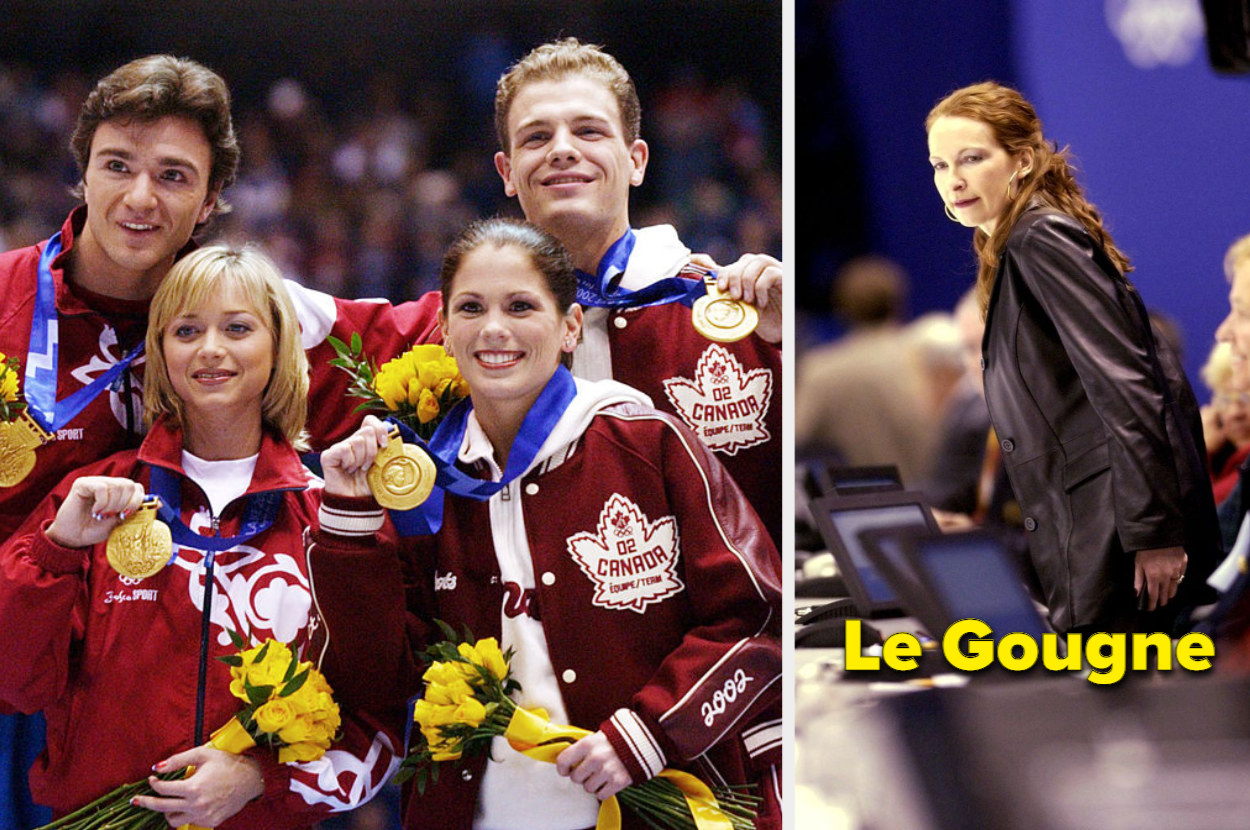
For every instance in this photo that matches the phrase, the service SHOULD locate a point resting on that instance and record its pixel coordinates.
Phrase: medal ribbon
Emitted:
(598, 291)
(445, 443)
(531, 733)
(261, 510)
(42, 355)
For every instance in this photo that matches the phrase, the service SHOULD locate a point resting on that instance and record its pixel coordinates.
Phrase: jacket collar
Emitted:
(278, 467)
(1035, 205)
(658, 253)
(592, 397)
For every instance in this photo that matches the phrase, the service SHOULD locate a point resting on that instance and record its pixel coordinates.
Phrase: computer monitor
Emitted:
(886, 548)
(972, 575)
(825, 477)
(841, 519)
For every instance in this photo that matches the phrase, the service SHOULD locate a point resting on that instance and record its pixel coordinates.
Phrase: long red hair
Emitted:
(1016, 127)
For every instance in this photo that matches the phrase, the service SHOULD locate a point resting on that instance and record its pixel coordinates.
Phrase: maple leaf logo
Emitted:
(724, 404)
(631, 560)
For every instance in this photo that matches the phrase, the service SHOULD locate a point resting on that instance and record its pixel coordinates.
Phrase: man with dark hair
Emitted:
(155, 147)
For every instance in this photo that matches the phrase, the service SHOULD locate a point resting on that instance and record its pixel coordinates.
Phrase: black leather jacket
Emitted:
(1099, 429)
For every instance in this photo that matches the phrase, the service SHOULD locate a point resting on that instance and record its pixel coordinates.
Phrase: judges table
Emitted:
(1050, 751)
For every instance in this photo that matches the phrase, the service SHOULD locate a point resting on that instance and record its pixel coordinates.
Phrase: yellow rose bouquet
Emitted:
(419, 387)
(467, 703)
(289, 707)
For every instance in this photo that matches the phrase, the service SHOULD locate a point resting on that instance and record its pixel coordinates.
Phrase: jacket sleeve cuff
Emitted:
(350, 517)
(55, 558)
(763, 744)
(277, 776)
(635, 744)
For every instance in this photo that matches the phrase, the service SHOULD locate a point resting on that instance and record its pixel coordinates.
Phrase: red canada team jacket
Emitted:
(681, 628)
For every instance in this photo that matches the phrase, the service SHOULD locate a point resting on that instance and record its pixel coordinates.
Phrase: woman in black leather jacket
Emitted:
(1098, 426)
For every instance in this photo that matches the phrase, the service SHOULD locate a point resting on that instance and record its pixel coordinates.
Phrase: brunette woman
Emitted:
(640, 590)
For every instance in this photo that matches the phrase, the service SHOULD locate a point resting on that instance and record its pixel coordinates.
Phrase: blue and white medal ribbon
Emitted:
(42, 356)
(444, 446)
(258, 515)
(598, 290)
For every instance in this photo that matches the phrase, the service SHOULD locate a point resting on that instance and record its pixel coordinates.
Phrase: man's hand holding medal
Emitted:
(745, 297)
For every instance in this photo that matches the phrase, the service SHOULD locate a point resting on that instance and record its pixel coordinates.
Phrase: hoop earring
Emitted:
(1009, 181)
(949, 214)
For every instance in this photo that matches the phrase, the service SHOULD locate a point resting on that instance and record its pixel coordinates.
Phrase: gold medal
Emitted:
(18, 440)
(402, 475)
(719, 317)
(140, 546)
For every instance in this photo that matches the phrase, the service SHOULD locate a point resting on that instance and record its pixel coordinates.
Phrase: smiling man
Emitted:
(568, 121)
(155, 147)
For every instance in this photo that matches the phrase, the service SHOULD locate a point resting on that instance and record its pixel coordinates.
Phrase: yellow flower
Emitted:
(274, 715)
(485, 653)
(430, 715)
(306, 728)
(8, 380)
(427, 406)
(449, 673)
(392, 381)
(270, 670)
(470, 711)
(301, 751)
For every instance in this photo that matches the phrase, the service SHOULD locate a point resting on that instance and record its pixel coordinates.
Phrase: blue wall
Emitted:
(1163, 150)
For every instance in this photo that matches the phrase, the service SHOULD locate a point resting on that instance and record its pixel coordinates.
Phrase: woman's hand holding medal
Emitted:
(345, 466)
(94, 506)
(375, 461)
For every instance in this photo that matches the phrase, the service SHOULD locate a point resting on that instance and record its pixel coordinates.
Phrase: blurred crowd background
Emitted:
(367, 127)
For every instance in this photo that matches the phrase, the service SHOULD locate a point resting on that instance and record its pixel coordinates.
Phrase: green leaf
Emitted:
(294, 684)
(232, 660)
(237, 639)
(260, 655)
(448, 631)
(256, 695)
(357, 345)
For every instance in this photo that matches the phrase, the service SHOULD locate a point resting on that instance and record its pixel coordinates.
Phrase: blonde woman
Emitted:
(124, 666)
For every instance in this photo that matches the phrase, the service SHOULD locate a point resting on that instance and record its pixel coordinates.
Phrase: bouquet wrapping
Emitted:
(467, 703)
